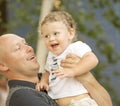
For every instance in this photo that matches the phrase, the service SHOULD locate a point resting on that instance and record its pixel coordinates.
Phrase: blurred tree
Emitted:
(3, 16)
(41, 51)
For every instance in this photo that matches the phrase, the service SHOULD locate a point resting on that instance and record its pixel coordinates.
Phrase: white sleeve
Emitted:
(80, 48)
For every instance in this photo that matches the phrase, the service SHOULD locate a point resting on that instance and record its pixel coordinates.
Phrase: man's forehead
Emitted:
(9, 42)
(9, 38)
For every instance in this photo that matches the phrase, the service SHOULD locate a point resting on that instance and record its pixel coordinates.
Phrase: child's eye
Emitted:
(46, 36)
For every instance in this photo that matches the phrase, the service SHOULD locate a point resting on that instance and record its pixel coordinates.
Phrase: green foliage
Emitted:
(26, 15)
(24, 12)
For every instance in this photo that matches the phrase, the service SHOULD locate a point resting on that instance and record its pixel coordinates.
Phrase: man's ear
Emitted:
(3, 66)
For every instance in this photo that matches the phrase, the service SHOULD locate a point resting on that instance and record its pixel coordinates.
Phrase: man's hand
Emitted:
(69, 65)
(70, 61)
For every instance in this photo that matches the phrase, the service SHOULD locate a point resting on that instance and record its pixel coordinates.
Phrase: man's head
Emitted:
(17, 59)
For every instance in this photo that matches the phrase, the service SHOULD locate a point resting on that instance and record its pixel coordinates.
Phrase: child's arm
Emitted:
(45, 77)
(43, 83)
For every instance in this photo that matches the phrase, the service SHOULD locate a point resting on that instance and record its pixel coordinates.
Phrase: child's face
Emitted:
(56, 36)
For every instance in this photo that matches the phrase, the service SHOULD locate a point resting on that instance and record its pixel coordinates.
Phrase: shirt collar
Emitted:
(14, 83)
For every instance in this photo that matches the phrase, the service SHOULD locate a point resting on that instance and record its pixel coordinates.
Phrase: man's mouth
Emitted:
(31, 58)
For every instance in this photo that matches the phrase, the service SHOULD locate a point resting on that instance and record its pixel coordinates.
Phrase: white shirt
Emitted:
(65, 87)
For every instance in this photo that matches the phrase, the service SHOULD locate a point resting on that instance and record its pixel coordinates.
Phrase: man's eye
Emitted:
(56, 33)
(18, 48)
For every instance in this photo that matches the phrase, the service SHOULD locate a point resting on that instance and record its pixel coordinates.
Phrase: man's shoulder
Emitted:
(20, 95)
(30, 97)
(23, 92)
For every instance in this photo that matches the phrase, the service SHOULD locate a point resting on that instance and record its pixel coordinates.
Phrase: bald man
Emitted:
(19, 65)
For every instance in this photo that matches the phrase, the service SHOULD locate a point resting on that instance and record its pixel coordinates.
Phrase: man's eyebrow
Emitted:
(23, 40)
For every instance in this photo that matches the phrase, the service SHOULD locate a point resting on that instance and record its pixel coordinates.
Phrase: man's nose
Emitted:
(29, 48)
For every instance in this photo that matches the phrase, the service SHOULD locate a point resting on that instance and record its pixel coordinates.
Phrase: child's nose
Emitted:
(52, 37)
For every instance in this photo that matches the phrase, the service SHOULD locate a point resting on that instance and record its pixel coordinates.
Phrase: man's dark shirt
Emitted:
(27, 95)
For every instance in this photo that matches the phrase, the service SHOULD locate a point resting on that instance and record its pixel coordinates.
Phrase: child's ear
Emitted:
(72, 33)
(3, 66)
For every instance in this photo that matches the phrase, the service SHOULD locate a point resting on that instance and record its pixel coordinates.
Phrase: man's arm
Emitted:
(96, 90)
(86, 63)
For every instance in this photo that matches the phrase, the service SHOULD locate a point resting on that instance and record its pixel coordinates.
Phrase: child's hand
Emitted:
(42, 86)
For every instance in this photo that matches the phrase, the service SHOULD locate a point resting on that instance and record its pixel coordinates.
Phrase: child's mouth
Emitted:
(54, 45)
